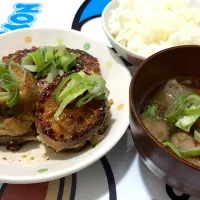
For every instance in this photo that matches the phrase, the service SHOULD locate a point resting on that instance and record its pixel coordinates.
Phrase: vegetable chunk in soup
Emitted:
(171, 114)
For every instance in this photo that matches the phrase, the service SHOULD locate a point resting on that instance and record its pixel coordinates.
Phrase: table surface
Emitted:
(120, 174)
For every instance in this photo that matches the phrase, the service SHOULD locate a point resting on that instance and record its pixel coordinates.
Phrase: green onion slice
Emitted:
(49, 62)
(58, 97)
(104, 95)
(192, 105)
(3, 69)
(2, 64)
(193, 110)
(7, 79)
(191, 152)
(27, 63)
(61, 51)
(87, 98)
(176, 109)
(51, 75)
(186, 122)
(13, 98)
(197, 136)
(60, 72)
(38, 59)
(49, 54)
(173, 147)
(56, 48)
(77, 84)
(67, 100)
(27, 60)
(151, 110)
(31, 68)
(94, 84)
(193, 99)
(9, 83)
(68, 61)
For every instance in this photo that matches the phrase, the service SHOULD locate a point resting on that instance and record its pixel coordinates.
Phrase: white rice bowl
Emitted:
(148, 26)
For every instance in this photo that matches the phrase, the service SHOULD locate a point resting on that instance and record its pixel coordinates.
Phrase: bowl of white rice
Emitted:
(139, 28)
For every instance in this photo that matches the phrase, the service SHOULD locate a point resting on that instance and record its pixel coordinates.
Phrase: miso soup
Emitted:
(171, 114)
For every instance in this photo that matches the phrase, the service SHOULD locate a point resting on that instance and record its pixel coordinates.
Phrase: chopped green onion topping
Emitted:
(78, 84)
(74, 94)
(176, 109)
(31, 68)
(68, 62)
(10, 85)
(3, 69)
(182, 153)
(192, 99)
(193, 104)
(184, 111)
(151, 110)
(61, 51)
(75, 79)
(191, 152)
(14, 97)
(49, 62)
(87, 98)
(51, 75)
(9, 82)
(197, 136)
(173, 147)
(60, 72)
(49, 54)
(186, 122)
(38, 59)
(26, 60)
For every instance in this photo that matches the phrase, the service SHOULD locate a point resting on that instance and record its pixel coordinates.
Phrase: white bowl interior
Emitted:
(122, 50)
(20, 166)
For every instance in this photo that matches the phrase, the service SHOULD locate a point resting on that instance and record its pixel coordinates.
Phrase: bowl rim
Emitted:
(107, 32)
(138, 118)
(92, 159)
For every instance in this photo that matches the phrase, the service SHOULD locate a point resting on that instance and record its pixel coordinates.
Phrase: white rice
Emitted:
(148, 26)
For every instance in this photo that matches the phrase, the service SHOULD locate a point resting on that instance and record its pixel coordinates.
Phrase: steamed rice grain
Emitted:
(148, 26)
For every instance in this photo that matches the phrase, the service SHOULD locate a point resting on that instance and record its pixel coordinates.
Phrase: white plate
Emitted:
(20, 166)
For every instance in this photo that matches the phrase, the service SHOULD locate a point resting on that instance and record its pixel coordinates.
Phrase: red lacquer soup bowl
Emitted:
(182, 61)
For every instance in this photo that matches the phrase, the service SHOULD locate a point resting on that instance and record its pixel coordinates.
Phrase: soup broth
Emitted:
(171, 113)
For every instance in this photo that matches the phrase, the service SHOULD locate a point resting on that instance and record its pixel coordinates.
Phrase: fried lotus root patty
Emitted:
(85, 61)
(18, 120)
(76, 125)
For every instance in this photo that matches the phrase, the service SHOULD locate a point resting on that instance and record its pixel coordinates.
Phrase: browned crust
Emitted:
(45, 121)
(85, 61)
(18, 55)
